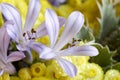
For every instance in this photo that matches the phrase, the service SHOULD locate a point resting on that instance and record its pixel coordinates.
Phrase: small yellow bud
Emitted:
(64, 10)
(38, 69)
(52, 72)
(24, 74)
(112, 75)
(78, 60)
(0, 77)
(40, 78)
(91, 71)
(65, 78)
(14, 78)
(5, 76)
(45, 40)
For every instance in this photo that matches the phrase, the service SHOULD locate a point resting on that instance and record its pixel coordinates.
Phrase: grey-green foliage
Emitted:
(108, 20)
(105, 57)
(85, 34)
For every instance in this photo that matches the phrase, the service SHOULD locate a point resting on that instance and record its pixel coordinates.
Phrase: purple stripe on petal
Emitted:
(32, 14)
(11, 13)
(52, 26)
(72, 27)
(84, 50)
(41, 30)
(15, 56)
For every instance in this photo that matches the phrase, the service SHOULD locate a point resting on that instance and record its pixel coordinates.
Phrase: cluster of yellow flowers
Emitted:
(50, 70)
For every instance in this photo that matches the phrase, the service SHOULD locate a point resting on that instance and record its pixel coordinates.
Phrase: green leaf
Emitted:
(104, 59)
(85, 35)
(108, 20)
(116, 66)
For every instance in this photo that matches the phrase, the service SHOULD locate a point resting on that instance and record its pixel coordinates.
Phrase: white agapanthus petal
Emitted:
(84, 50)
(44, 51)
(47, 54)
(15, 56)
(41, 30)
(68, 67)
(4, 41)
(11, 13)
(10, 69)
(38, 47)
(72, 27)
(2, 63)
(12, 32)
(32, 14)
(52, 26)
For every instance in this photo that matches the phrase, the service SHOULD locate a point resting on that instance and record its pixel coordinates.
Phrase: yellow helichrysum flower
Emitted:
(78, 60)
(1, 77)
(44, 40)
(40, 78)
(74, 3)
(112, 75)
(14, 78)
(65, 78)
(53, 71)
(45, 5)
(91, 71)
(38, 69)
(5, 76)
(9, 1)
(64, 10)
(1, 20)
(24, 74)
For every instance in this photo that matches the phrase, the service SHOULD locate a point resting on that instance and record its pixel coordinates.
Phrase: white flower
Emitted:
(5, 59)
(71, 28)
(25, 38)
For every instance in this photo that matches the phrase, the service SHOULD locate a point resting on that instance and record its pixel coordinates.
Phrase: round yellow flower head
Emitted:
(75, 3)
(14, 78)
(38, 69)
(24, 74)
(52, 71)
(64, 10)
(5, 76)
(44, 40)
(112, 75)
(91, 71)
(65, 78)
(78, 60)
(40, 78)
(9, 1)
(1, 20)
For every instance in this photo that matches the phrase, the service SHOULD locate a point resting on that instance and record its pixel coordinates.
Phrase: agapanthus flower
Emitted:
(24, 37)
(72, 26)
(5, 59)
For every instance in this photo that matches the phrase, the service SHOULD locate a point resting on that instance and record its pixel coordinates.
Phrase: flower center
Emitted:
(30, 35)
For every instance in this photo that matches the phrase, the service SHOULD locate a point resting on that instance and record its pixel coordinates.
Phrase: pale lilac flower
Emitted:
(71, 28)
(5, 59)
(25, 37)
